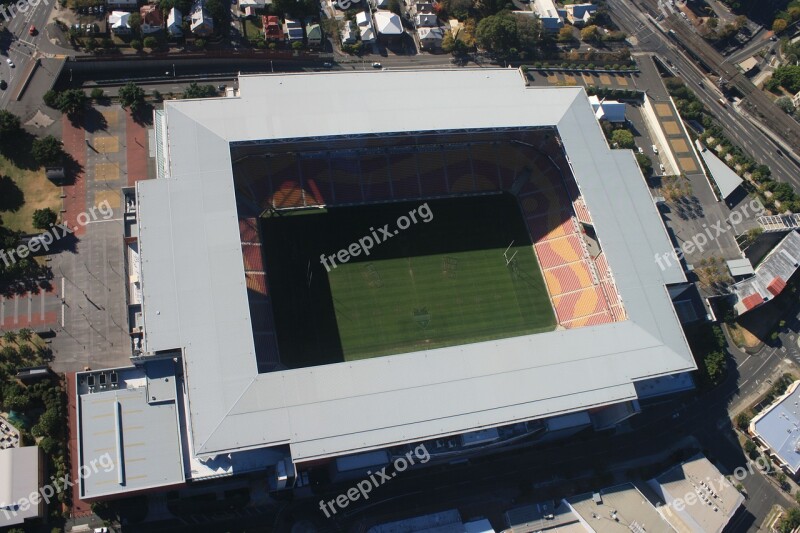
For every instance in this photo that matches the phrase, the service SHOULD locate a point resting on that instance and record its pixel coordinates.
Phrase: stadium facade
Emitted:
(202, 399)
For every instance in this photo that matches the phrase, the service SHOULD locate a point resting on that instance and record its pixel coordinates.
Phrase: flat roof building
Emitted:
(194, 289)
(777, 428)
(21, 476)
(619, 509)
(696, 497)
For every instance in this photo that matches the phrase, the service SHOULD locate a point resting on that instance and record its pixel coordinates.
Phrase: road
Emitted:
(739, 129)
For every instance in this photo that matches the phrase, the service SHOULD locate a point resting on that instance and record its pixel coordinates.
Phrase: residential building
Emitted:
(201, 24)
(430, 39)
(610, 110)
(349, 32)
(389, 26)
(772, 274)
(273, 30)
(616, 510)
(422, 7)
(255, 4)
(426, 20)
(579, 14)
(21, 475)
(119, 22)
(549, 14)
(695, 497)
(777, 428)
(152, 18)
(175, 22)
(293, 30)
(122, 4)
(314, 34)
(365, 27)
(796, 99)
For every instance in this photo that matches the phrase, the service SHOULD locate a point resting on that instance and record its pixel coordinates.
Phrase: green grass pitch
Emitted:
(435, 284)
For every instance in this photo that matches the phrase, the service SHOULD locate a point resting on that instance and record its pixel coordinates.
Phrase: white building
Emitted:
(21, 474)
(549, 14)
(202, 24)
(609, 110)
(175, 22)
(119, 23)
(365, 27)
(426, 20)
(430, 38)
(388, 25)
(349, 32)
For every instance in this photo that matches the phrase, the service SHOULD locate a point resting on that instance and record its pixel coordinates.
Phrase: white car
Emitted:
(640, 149)
(661, 166)
(10, 63)
(655, 149)
(376, 65)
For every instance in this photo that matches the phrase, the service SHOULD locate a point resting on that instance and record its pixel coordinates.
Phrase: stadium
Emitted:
(514, 283)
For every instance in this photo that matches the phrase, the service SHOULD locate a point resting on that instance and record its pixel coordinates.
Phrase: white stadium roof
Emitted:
(195, 296)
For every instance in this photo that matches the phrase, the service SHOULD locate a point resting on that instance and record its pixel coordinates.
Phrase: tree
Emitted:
(50, 98)
(43, 219)
(394, 7)
(218, 10)
(789, 77)
(131, 96)
(72, 101)
(25, 334)
(136, 44)
(590, 34)
(297, 45)
(9, 124)
(565, 34)
(135, 21)
(790, 521)
(750, 447)
(201, 44)
(645, 164)
(742, 421)
(9, 337)
(623, 138)
(150, 42)
(785, 104)
(97, 94)
(199, 91)
(779, 25)
(497, 33)
(47, 151)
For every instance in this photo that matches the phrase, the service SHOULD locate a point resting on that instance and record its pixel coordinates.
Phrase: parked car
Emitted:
(10, 63)
(655, 149)
(3, 85)
(376, 65)
(661, 167)
(32, 30)
(327, 64)
(640, 149)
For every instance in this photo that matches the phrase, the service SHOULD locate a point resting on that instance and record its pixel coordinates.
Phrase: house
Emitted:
(152, 18)
(255, 4)
(365, 27)
(348, 33)
(21, 475)
(579, 14)
(430, 38)
(423, 7)
(388, 25)
(293, 30)
(381, 4)
(174, 22)
(426, 20)
(549, 14)
(201, 24)
(314, 34)
(609, 110)
(273, 31)
(119, 22)
(796, 99)
(122, 4)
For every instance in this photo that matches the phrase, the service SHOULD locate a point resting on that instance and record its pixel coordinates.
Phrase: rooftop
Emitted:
(19, 478)
(710, 499)
(778, 427)
(771, 275)
(195, 295)
(619, 509)
(142, 449)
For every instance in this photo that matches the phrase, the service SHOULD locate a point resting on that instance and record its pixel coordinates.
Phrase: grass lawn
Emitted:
(440, 283)
(416, 303)
(37, 192)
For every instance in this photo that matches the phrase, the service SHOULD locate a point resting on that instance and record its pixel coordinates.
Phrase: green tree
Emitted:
(10, 337)
(590, 34)
(199, 91)
(297, 45)
(218, 10)
(565, 34)
(135, 21)
(25, 334)
(779, 25)
(785, 104)
(72, 101)
(150, 42)
(750, 448)
(43, 219)
(9, 125)
(497, 33)
(201, 44)
(623, 138)
(131, 96)
(97, 94)
(47, 151)
(50, 98)
(394, 7)
(790, 521)
(136, 44)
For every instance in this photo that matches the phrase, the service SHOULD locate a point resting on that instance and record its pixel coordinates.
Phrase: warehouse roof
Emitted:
(195, 296)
